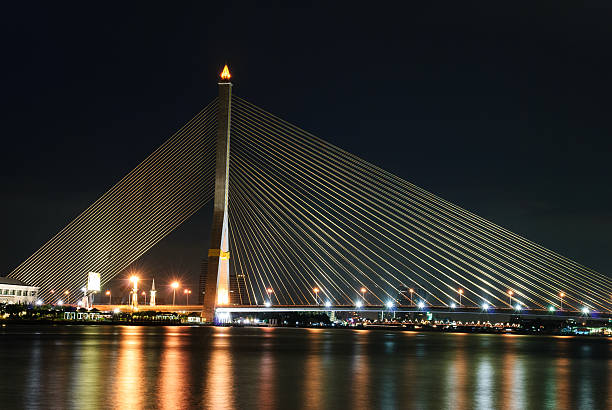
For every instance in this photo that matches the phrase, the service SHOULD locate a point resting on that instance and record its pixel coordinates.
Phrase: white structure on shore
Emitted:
(153, 292)
(16, 291)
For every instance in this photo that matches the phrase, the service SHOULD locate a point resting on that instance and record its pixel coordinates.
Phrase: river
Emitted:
(131, 367)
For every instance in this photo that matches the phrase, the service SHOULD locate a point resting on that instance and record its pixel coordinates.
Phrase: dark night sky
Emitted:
(504, 111)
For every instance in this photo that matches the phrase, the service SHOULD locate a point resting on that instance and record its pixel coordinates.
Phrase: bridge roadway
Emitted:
(245, 309)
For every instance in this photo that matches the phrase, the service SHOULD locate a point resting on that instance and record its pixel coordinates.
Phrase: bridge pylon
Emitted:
(217, 286)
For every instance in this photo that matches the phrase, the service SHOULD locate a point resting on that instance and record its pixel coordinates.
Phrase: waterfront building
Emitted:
(16, 291)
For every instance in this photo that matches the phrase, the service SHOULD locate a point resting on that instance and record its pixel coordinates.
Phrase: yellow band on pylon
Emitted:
(218, 252)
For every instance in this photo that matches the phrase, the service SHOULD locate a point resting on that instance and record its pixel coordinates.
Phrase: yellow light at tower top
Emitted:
(225, 74)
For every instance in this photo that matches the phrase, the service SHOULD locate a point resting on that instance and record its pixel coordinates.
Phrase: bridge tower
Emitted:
(216, 288)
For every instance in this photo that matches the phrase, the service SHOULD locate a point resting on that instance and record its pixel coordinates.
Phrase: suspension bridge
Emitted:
(301, 224)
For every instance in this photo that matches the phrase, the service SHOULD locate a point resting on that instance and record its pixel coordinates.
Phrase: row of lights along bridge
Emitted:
(421, 304)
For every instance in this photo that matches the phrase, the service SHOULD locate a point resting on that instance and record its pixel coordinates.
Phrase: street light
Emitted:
(585, 310)
(358, 304)
(316, 292)
(145, 296)
(108, 293)
(328, 304)
(270, 291)
(411, 292)
(67, 293)
(485, 306)
(561, 295)
(460, 293)
(363, 291)
(389, 305)
(187, 292)
(510, 293)
(421, 305)
(175, 286)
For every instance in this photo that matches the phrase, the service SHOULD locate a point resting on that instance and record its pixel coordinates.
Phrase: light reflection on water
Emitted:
(226, 368)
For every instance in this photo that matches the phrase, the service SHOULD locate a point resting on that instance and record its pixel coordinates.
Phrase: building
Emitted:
(16, 291)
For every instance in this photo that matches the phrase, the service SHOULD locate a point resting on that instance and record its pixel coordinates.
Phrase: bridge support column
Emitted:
(217, 286)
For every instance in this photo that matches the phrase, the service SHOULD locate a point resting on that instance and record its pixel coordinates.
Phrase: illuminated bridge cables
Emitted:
(123, 229)
(557, 275)
(135, 222)
(520, 269)
(132, 216)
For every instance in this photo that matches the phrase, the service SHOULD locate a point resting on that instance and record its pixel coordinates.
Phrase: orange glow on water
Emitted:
(225, 74)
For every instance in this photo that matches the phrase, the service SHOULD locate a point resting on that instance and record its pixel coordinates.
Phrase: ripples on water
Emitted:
(223, 368)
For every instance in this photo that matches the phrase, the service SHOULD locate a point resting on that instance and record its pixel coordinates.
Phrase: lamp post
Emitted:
(561, 298)
(187, 292)
(510, 293)
(145, 296)
(269, 291)
(316, 293)
(108, 293)
(67, 293)
(460, 293)
(411, 292)
(175, 286)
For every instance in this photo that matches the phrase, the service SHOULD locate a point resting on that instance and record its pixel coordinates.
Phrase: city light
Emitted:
(485, 306)
(551, 309)
(134, 280)
(390, 305)
(421, 305)
(363, 290)
(328, 304)
(174, 286)
(585, 310)
(518, 307)
(452, 305)
(358, 304)
(117, 310)
(267, 304)
(108, 292)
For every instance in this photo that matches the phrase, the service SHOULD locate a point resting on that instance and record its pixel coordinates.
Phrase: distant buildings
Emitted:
(16, 291)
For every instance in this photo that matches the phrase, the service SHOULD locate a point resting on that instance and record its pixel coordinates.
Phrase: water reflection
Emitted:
(172, 385)
(313, 372)
(360, 393)
(226, 368)
(219, 389)
(129, 378)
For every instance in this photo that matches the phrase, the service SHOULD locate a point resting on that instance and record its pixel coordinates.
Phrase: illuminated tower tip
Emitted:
(225, 74)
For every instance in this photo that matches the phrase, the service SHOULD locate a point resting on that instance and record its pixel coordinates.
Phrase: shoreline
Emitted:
(420, 329)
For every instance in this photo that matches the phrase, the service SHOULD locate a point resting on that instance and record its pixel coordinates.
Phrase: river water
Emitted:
(135, 367)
